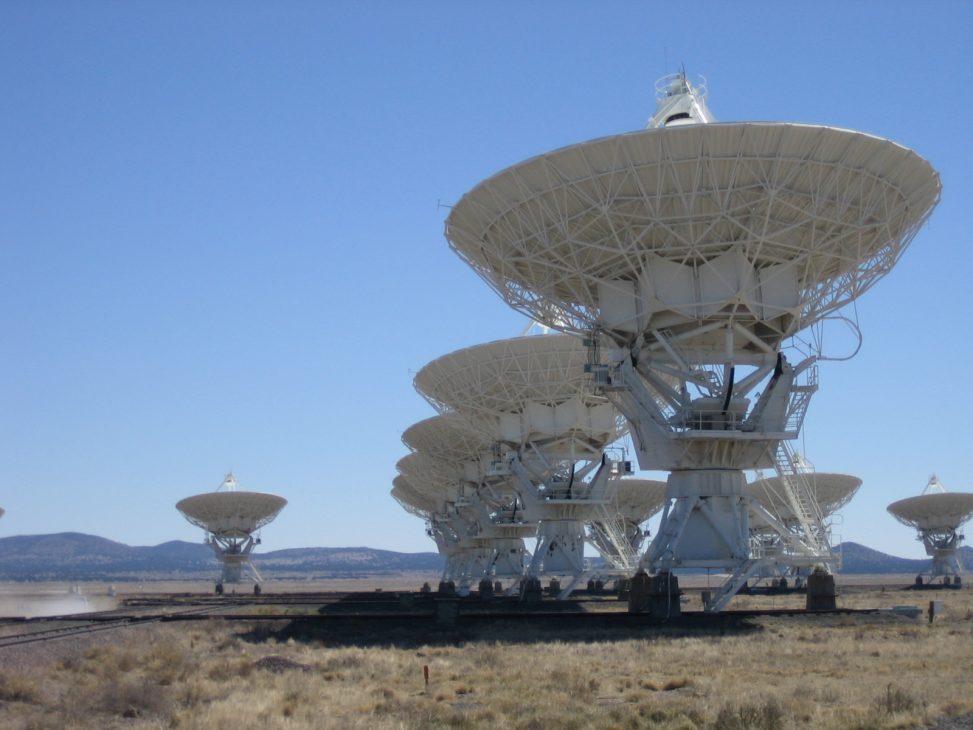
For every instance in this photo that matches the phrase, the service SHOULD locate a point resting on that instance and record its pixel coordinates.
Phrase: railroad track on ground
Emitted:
(80, 624)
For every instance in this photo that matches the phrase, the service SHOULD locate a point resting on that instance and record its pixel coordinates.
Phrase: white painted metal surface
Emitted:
(524, 390)
(230, 519)
(544, 434)
(937, 515)
(618, 535)
(411, 499)
(830, 491)
(769, 225)
(448, 437)
(934, 510)
(231, 512)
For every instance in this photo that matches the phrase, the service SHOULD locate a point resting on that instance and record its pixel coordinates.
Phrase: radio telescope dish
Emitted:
(831, 491)
(411, 499)
(935, 509)
(431, 477)
(639, 499)
(773, 510)
(448, 437)
(619, 535)
(937, 515)
(529, 397)
(770, 225)
(499, 377)
(461, 524)
(687, 254)
(521, 390)
(231, 512)
(487, 502)
(230, 518)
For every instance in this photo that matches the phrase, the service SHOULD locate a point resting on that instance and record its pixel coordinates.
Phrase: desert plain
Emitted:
(881, 669)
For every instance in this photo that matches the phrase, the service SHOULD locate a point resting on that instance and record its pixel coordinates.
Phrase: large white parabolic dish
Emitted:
(231, 512)
(830, 491)
(772, 225)
(942, 511)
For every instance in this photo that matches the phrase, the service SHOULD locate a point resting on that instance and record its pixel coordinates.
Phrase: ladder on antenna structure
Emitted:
(801, 398)
(798, 492)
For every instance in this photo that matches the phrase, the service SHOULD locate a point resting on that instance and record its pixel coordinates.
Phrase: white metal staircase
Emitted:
(797, 492)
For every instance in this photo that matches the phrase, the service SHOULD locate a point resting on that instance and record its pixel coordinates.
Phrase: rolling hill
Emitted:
(76, 556)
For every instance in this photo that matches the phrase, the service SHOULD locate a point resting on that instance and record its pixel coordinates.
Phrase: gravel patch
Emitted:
(278, 664)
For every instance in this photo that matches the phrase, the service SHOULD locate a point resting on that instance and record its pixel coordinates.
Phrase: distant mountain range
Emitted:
(75, 556)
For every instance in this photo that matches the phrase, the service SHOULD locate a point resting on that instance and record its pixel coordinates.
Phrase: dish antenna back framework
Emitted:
(432, 511)
(619, 536)
(772, 513)
(686, 255)
(937, 515)
(529, 396)
(488, 503)
(230, 519)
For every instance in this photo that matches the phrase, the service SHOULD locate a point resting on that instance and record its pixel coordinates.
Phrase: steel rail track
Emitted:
(84, 624)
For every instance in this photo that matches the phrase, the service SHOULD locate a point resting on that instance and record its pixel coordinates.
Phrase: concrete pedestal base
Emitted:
(531, 591)
(447, 588)
(821, 594)
(657, 595)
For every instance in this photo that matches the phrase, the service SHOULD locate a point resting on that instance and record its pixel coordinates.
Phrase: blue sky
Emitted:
(221, 235)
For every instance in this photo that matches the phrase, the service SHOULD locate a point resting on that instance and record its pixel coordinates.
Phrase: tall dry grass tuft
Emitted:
(133, 698)
(767, 715)
(895, 699)
(16, 687)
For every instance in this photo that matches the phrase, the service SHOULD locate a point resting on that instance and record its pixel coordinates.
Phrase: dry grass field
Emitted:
(838, 671)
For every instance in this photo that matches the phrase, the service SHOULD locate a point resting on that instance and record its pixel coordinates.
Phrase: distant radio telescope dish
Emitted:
(619, 538)
(639, 499)
(831, 491)
(230, 518)
(934, 510)
(937, 515)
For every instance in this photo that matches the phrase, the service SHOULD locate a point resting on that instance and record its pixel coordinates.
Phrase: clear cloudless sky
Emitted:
(221, 235)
